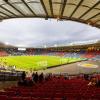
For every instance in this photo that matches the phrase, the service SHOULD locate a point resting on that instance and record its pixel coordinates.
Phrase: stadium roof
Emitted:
(85, 11)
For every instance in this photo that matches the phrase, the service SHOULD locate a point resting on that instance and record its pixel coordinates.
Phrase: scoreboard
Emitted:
(21, 49)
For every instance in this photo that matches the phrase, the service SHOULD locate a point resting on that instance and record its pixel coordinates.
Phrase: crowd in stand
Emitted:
(93, 80)
(57, 88)
(34, 79)
(41, 78)
(81, 53)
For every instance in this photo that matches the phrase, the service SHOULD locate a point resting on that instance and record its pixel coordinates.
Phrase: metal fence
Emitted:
(10, 76)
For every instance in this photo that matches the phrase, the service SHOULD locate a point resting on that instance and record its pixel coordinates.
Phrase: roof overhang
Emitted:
(85, 11)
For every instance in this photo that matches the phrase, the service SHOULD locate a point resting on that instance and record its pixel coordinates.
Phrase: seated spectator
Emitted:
(66, 77)
(22, 82)
(93, 82)
(86, 76)
(48, 77)
(98, 83)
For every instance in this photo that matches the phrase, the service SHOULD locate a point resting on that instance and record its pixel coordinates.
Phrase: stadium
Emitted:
(50, 50)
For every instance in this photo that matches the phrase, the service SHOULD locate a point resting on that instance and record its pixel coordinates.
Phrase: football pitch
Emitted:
(37, 62)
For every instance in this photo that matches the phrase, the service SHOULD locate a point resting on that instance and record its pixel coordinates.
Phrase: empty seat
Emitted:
(3, 97)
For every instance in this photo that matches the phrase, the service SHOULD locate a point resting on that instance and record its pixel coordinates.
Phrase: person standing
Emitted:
(41, 77)
(36, 77)
(23, 75)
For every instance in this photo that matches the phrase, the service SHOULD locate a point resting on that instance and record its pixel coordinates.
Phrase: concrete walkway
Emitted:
(73, 68)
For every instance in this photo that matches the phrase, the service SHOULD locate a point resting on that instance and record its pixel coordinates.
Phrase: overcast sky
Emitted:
(38, 32)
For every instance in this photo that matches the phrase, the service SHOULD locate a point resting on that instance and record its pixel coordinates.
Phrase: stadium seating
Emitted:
(96, 57)
(54, 89)
(3, 53)
(79, 54)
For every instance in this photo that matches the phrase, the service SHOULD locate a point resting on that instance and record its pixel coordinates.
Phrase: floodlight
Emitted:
(6, 43)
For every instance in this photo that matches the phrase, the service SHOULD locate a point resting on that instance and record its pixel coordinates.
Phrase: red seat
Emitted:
(11, 93)
(16, 98)
(59, 95)
(45, 98)
(57, 98)
(20, 98)
(55, 89)
(25, 94)
(3, 97)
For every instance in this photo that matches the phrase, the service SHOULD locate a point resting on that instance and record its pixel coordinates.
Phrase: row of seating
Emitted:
(54, 89)
(3, 53)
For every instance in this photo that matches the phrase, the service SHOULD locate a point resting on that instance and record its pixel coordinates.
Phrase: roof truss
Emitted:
(94, 16)
(63, 7)
(43, 5)
(28, 7)
(68, 9)
(76, 8)
(8, 11)
(89, 9)
(7, 1)
(51, 7)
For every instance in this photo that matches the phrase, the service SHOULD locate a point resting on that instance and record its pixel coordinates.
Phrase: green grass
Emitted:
(36, 62)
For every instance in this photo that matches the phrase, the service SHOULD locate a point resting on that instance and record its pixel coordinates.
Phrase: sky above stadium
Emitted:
(40, 32)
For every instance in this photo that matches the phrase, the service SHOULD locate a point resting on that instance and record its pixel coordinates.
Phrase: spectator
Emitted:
(23, 75)
(48, 77)
(36, 77)
(98, 83)
(93, 82)
(33, 74)
(41, 77)
(86, 76)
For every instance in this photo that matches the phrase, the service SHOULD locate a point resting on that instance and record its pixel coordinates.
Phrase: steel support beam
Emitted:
(28, 7)
(51, 7)
(89, 9)
(63, 7)
(43, 5)
(77, 6)
(7, 1)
